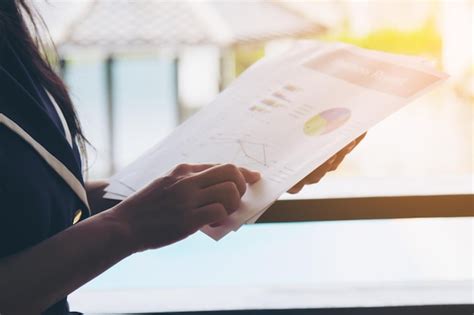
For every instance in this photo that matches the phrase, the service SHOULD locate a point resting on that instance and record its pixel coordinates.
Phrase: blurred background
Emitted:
(137, 69)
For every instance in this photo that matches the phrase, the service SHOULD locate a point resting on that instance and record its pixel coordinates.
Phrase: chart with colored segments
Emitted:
(326, 121)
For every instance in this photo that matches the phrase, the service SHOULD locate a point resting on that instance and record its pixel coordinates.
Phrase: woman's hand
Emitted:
(328, 166)
(177, 205)
(167, 210)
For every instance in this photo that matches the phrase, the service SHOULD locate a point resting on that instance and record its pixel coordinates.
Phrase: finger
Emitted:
(331, 159)
(313, 177)
(216, 224)
(186, 168)
(206, 215)
(342, 154)
(361, 137)
(316, 175)
(337, 162)
(296, 188)
(225, 193)
(197, 168)
(354, 143)
(250, 177)
(348, 148)
(222, 173)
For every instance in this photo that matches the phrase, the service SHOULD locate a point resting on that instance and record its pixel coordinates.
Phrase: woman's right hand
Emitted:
(179, 204)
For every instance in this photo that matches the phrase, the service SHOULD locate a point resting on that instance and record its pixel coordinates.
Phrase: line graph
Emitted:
(260, 157)
(244, 151)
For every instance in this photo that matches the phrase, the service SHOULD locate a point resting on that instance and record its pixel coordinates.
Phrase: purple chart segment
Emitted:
(326, 121)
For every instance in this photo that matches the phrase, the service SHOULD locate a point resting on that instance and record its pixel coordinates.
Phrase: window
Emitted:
(426, 148)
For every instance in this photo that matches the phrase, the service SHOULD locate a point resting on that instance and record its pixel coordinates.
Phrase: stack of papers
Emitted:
(284, 117)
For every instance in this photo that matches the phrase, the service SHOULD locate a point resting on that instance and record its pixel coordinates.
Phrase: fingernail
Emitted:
(257, 173)
(352, 145)
(256, 177)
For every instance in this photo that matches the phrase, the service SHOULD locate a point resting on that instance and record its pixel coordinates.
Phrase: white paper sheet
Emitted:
(284, 117)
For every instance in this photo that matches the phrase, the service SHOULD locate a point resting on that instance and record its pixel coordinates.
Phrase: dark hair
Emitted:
(20, 28)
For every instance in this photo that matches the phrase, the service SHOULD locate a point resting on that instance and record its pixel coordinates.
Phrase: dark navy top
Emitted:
(35, 201)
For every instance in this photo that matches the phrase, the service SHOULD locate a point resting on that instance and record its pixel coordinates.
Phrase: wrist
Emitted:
(120, 231)
(95, 194)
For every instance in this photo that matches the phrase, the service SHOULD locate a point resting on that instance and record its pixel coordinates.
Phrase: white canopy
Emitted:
(122, 24)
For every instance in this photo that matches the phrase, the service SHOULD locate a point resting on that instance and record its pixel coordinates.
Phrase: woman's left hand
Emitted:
(328, 166)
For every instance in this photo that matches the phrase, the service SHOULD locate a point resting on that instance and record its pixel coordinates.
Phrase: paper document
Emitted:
(284, 117)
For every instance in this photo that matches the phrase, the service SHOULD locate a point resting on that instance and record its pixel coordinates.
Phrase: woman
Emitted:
(56, 232)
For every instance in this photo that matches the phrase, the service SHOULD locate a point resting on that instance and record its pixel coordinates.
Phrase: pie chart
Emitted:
(326, 121)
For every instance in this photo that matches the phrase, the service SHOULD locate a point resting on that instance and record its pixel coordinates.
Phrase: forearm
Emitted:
(38, 277)
(95, 195)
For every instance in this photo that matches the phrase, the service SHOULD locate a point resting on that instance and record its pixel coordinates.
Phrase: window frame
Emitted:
(367, 208)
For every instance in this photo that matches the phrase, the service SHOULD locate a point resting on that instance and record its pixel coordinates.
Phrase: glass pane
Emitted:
(85, 78)
(145, 110)
(198, 75)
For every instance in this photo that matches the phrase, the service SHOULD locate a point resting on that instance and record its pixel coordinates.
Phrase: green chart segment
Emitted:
(326, 121)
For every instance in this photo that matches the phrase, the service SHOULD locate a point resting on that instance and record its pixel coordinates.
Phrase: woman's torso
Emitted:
(37, 200)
